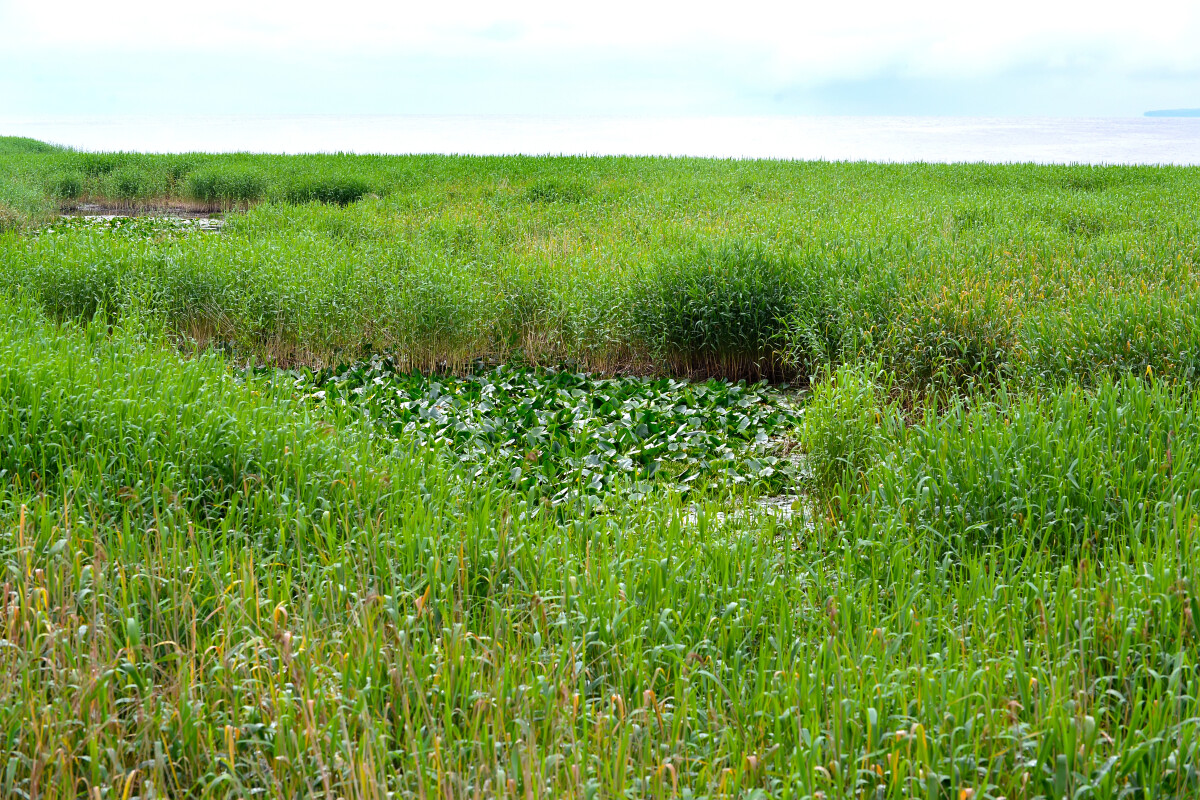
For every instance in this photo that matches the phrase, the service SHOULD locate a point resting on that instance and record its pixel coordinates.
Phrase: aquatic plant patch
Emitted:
(149, 228)
(570, 436)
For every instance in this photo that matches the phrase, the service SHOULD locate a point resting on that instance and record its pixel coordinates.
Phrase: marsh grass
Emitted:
(225, 186)
(339, 190)
(559, 190)
(958, 339)
(21, 206)
(65, 185)
(1061, 473)
(1116, 335)
(97, 164)
(721, 310)
(10, 219)
(213, 589)
(213, 586)
(849, 421)
(131, 184)
(22, 145)
(956, 277)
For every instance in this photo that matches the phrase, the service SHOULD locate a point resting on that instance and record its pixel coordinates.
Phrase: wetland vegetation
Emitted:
(457, 477)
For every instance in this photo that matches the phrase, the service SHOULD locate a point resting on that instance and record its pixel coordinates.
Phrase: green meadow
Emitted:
(530, 477)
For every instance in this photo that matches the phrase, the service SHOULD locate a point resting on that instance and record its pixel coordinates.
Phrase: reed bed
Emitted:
(272, 525)
(953, 275)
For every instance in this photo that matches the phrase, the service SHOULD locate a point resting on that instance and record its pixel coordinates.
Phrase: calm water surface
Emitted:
(945, 139)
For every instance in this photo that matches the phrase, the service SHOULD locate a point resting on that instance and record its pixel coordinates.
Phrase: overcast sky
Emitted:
(1020, 57)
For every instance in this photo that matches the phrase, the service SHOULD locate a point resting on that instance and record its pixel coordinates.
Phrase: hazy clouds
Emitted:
(1020, 57)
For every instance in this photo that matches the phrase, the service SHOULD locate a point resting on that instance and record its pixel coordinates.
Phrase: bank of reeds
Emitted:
(217, 585)
(953, 276)
(212, 588)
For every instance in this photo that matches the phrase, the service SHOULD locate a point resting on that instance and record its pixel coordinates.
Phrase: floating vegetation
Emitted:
(132, 226)
(569, 436)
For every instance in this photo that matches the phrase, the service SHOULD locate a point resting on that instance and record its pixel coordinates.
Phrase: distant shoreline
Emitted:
(1174, 112)
(1060, 140)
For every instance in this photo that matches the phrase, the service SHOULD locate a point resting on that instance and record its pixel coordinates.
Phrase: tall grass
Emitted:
(721, 310)
(227, 187)
(1059, 473)
(954, 277)
(211, 590)
(849, 420)
(213, 587)
(334, 189)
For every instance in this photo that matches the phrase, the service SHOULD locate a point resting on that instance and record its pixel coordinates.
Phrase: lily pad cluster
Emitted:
(570, 436)
(149, 227)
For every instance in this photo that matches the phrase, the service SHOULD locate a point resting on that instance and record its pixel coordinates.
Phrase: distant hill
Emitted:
(1175, 112)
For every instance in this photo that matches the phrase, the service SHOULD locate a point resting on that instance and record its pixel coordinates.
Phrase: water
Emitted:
(94, 217)
(942, 139)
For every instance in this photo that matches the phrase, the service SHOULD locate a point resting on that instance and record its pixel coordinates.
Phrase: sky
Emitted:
(638, 57)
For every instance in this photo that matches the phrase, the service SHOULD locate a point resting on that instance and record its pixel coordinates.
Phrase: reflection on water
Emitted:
(1136, 140)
